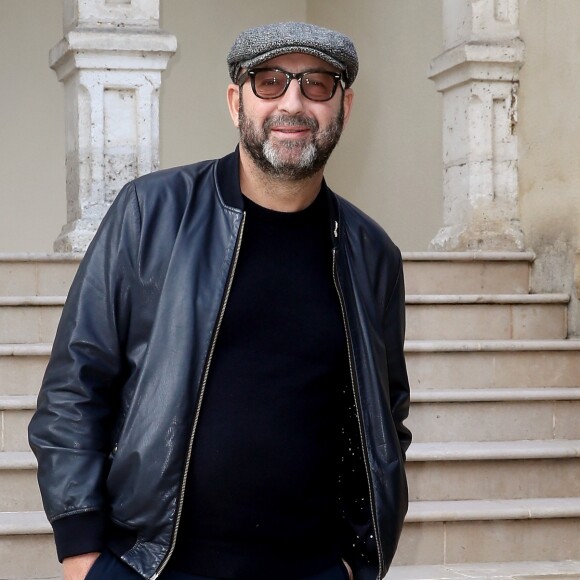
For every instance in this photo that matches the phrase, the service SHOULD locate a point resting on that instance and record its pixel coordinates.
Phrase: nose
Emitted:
(292, 101)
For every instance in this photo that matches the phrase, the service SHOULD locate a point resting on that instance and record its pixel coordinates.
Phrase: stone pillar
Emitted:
(477, 75)
(110, 61)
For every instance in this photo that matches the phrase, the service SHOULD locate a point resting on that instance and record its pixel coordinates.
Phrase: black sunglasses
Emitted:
(271, 83)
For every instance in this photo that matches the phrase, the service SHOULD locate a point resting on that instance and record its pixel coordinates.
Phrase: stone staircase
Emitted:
(32, 291)
(494, 470)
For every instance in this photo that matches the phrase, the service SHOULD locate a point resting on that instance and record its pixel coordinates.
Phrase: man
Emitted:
(226, 392)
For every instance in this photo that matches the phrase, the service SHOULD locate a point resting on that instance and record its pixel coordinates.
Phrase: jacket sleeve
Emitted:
(70, 433)
(394, 330)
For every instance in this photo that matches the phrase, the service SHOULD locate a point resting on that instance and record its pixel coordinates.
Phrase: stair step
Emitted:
(467, 272)
(17, 402)
(15, 301)
(486, 299)
(502, 415)
(22, 367)
(27, 546)
(37, 274)
(18, 485)
(449, 317)
(413, 346)
(459, 532)
(447, 364)
(494, 421)
(24, 523)
(493, 450)
(494, 510)
(29, 319)
(493, 470)
(425, 272)
(569, 570)
(15, 414)
(466, 415)
(505, 394)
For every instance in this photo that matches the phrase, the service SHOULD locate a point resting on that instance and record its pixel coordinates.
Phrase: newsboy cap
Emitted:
(257, 45)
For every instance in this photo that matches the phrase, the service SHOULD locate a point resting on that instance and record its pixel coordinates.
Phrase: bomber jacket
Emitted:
(120, 400)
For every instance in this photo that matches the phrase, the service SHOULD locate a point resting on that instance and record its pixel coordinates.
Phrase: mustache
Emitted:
(290, 121)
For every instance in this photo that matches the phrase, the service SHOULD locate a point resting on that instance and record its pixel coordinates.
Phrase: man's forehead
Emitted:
(298, 61)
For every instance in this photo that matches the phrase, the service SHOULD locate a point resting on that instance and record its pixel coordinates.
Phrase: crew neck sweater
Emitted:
(261, 492)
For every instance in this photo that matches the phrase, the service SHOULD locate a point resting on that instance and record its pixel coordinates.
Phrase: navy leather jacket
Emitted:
(118, 408)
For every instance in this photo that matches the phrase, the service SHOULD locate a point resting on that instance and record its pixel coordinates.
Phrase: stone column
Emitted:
(110, 61)
(477, 75)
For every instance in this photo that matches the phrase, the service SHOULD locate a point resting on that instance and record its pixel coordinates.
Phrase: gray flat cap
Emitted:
(257, 45)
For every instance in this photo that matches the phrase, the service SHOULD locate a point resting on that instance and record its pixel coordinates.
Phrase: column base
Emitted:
(460, 238)
(76, 236)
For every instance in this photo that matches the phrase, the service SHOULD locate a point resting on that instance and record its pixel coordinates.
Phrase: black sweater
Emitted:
(261, 491)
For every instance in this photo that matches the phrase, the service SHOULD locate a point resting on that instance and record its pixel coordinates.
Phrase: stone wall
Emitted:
(32, 176)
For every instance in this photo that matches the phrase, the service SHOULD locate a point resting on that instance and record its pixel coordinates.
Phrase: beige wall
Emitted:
(549, 126)
(32, 175)
(195, 123)
(549, 144)
(389, 160)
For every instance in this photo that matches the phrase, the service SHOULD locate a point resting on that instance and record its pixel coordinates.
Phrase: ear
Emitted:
(348, 98)
(233, 97)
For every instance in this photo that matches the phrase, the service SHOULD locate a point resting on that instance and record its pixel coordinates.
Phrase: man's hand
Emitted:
(77, 567)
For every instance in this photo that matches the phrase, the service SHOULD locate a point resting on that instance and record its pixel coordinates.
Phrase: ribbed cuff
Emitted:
(79, 534)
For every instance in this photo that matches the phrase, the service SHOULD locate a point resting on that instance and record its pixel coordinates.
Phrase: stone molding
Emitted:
(478, 77)
(111, 49)
(111, 70)
(477, 61)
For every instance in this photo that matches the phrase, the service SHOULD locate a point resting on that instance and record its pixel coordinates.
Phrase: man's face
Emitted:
(290, 137)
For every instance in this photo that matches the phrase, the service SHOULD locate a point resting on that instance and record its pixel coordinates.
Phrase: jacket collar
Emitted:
(228, 181)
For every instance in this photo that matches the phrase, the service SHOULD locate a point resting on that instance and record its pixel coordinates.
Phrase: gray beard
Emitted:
(306, 160)
(268, 155)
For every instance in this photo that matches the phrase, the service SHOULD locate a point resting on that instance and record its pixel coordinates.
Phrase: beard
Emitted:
(289, 159)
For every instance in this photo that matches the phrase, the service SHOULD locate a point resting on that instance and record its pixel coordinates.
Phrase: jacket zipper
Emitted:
(357, 404)
(199, 400)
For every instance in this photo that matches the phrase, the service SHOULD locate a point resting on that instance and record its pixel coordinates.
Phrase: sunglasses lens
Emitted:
(318, 86)
(269, 84)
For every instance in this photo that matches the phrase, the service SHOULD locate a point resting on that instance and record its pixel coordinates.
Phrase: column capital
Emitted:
(478, 61)
(111, 50)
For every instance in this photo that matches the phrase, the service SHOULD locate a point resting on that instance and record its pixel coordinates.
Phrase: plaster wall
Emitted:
(389, 161)
(549, 144)
(32, 170)
(195, 123)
